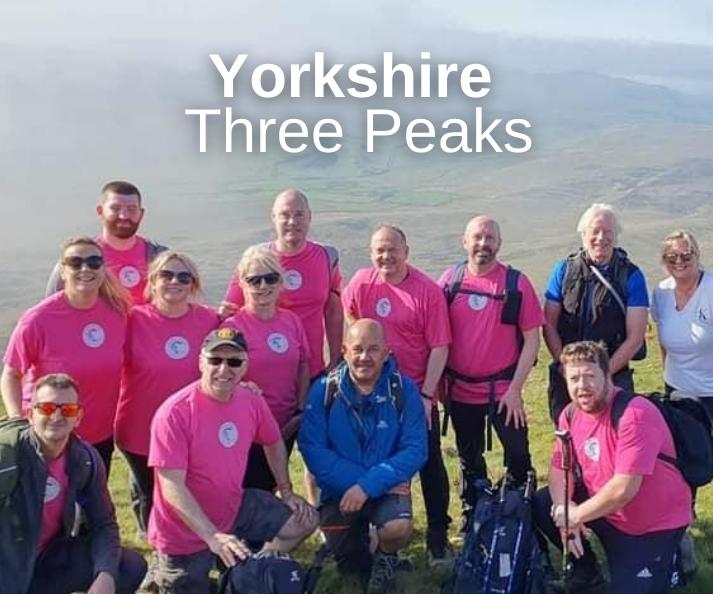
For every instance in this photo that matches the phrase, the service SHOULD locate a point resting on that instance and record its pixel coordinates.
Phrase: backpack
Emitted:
(501, 554)
(690, 427)
(10, 430)
(267, 572)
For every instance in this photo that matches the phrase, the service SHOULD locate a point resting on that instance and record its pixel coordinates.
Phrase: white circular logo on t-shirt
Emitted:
(292, 280)
(278, 343)
(93, 335)
(177, 347)
(477, 302)
(228, 434)
(52, 489)
(129, 276)
(591, 449)
(383, 307)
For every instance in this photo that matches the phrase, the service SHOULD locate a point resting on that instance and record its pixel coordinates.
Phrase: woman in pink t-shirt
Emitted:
(79, 331)
(278, 351)
(163, 341)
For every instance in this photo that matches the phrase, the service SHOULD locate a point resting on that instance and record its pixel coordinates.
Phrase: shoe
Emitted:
(441, 557)
(581, 584)
(383, 573)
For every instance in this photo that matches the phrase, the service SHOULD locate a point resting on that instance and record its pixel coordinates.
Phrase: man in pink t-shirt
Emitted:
(411, 308)
(200, 439)
(126, 254)
(312, 281)
(636, 501)
(495, 321)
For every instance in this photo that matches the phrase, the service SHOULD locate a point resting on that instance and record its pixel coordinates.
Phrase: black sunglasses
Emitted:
(271, 278)
(233, 362)
(184, 278)
(76, 262)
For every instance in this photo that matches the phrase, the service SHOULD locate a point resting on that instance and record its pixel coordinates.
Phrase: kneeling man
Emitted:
(200, 439)
(363, 437)
(631, 494)
(46, 474)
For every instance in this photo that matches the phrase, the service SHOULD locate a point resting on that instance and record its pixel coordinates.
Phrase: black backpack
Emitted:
(268, 572)
(501, 554)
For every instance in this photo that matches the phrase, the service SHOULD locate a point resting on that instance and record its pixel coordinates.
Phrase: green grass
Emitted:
(425, 580)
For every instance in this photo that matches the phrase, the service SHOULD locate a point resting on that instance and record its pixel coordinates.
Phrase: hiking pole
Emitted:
(497, 532)
(566, 440)
(527, 496)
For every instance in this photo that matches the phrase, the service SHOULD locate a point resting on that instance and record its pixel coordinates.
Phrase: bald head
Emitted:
(365, 353)
(483, 221)
(291, 217)
(291, 196)
(481, 242)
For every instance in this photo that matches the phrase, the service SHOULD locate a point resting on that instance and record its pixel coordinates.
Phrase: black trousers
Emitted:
(469, 425)
(638, 564)
(106, 450)
(435, 487)
(66, 566)
(558, 396)
(141, 488)
(258, 474)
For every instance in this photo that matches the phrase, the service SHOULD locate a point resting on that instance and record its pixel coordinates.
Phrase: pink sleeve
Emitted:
(639, 441)
(267, 431)
(531, 313)
(305, 353)
(350, 303)
(445, 277)
(335, 280)
(234, 293)
(438, 324)
(169, 440)
(22, 349)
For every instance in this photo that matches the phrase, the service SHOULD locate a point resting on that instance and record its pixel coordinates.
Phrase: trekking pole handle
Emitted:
(566, 439)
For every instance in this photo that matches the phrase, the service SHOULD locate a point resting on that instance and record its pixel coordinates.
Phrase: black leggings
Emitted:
(142, 480)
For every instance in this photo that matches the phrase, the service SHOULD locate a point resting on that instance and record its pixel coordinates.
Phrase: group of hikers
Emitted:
(207, 404)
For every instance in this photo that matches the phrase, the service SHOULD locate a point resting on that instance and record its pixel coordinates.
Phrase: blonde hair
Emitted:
(196, 292)
(111, 290)
(259, 254)
(680, 235)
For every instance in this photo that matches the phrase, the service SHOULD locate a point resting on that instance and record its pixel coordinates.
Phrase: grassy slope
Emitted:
(425, 580)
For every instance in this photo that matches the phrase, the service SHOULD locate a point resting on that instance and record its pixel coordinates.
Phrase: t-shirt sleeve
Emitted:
(639, 439)
(553, 292)
(23, 348)
(445, 278)
(350, 300)
(655, 304)
(267, 431)
(301, 339)
(170, 437)
(335, 279)
(531, 315)
(637, 293)
(437, 321)
(234, 292)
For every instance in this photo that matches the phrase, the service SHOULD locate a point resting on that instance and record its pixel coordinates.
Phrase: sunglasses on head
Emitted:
(183, 278)
(673, 257)
(68, 409)
(76, 262)
(271, 278)
(233, 362)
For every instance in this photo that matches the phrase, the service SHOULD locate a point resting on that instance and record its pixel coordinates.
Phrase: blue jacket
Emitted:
(361, 439)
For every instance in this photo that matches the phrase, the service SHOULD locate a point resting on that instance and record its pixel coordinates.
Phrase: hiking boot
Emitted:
(383, 573)
(441, 557)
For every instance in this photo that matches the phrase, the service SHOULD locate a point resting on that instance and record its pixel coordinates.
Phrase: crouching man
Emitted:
(363, 437)
(636, 501)
(44, 472)
(200, 440)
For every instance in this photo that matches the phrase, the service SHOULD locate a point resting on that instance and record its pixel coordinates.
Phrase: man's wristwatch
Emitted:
(426, 396)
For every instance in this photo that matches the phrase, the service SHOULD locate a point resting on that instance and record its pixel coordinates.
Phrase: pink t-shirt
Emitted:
(161, 356)
(414, 315)
(210, 440)
(275, 349)
(54, 501)
(664, 498)
(481, 344)
(309, 280)
(129, 266)
(88, 344)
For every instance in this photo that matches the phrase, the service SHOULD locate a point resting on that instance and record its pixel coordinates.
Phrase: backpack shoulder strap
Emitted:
(621, 401)
(331, 389)
(396, 391)
(332, 256)
(451, 289)
(153, 249)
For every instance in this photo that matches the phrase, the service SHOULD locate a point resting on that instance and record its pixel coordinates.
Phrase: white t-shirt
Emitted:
(687, 336)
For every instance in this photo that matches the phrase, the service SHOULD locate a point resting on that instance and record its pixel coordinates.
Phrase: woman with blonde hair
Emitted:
(79, 331)
(163, 342)
(278, 351)
(682, 307)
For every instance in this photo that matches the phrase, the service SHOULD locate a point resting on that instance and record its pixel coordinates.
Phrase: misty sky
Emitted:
(82, 22)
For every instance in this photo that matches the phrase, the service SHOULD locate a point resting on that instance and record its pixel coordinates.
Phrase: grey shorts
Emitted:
(260, 518)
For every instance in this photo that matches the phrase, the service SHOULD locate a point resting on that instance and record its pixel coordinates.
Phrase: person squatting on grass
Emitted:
(637, 503)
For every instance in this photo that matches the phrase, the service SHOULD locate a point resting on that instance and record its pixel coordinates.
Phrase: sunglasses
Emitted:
(232, 362)
(69, 410)
(271, 278)
(183, 278)
(673, 257)
(76, 262)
